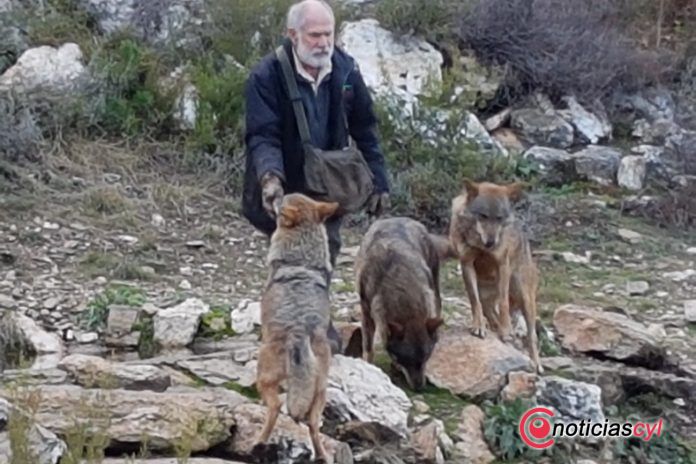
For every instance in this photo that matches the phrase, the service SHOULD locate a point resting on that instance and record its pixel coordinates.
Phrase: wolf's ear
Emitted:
(515, 191)
(396, 330)
(326, 210)
(471, 188)
(289, 216)
(433, 324)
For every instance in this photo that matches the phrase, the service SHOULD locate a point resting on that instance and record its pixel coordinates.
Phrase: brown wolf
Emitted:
(496, 259)
(397, 278)
(295, 317)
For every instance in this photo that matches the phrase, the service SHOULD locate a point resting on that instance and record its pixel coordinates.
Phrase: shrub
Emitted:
(131, 100)
(431, 19)
(560, 47)
(427, 159)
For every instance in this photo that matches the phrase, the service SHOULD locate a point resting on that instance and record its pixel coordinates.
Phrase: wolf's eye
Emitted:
(483, 215)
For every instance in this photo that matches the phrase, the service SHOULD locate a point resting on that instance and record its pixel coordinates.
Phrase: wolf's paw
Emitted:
(539, 369)
(506, 337)
(479, 331)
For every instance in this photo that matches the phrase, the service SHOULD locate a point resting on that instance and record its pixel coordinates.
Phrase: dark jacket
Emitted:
(272, 138)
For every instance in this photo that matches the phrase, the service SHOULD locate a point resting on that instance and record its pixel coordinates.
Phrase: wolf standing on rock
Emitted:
(336, 105)
(295, 317)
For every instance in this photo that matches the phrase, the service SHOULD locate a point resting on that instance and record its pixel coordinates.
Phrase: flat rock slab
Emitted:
(474, 367)
(614, 335)
(126, 416)
(92, 371)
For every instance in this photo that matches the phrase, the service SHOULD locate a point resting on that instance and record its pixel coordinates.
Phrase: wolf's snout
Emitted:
(490, 242)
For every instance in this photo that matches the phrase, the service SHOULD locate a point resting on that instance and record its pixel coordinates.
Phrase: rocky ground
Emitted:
(135, 297)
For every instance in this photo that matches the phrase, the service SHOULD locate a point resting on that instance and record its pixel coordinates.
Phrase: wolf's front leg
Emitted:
(503, 297)
(478, 327)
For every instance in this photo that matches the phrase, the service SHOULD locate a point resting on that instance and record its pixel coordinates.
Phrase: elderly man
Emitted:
(333, 95)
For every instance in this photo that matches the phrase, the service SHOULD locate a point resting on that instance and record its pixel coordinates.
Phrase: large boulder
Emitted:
(390, 64)
(557, 167)
(539, 127)
(590, 127)
(47, 73)
(125, 417)
(471, 366)
(359, 391)
(174, 22)
(177, 326)
(609, 334)
(598, 164)
(573, 400)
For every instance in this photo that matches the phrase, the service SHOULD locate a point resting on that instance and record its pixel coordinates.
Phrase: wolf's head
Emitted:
(410, 346)
(490, 205)
(297, 210)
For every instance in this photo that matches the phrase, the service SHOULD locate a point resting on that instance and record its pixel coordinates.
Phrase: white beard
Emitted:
(314, 59)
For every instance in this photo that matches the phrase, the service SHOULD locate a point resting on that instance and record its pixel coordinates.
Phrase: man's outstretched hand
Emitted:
(378, 204)
(271, 193)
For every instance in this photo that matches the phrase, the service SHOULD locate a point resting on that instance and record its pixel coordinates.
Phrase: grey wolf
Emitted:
(397, 278)
(338, 105)
(496, 259)
(295, 317)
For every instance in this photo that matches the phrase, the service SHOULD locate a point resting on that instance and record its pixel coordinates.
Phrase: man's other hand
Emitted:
(271, 193)
(378, 204)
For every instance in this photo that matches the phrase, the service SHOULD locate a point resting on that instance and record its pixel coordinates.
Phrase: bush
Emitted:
(427, 171)
(430, 19)
(131, 100)
(560, 47)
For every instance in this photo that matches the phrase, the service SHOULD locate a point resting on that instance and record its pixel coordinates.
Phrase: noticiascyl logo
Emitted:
(538, 432)
(535, 428)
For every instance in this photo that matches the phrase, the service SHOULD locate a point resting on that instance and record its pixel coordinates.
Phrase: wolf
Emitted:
(496, 259)
(295, 317)
(397, 278)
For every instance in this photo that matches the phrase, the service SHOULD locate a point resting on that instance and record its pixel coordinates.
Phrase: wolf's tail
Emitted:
(301, 384)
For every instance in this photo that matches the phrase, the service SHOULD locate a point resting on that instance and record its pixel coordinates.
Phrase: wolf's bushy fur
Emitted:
(397, 278)
(295, 315)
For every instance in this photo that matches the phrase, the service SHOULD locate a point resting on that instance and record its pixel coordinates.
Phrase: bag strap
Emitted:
(295, 97)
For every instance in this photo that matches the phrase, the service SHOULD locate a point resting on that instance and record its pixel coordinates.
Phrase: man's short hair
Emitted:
(296, 13)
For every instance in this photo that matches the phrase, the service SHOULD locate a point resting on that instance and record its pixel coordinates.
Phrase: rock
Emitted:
(604, 374)
(120, 322)
(126, 416)
(520, 385)
(679, 276)
(289, 441)
(610, 334)
(497, 120)
(362, 392)
(570, 257)
(597, 164)
(44, 446)
(176, 326)
(541, 128)
(25, 377)
(507, 138)
(471, 446)
(245, 317)
(468, 365)
(42, 341)
(690, 310)
(180, 23)
(47, 73)
(401, 66)
(574, 400)
(92, 371)
(220, 368)
(590, 127)
(632, 171)
(557, 167)
(637, 287)
(426, 443)
(630, 236)
(87, 337)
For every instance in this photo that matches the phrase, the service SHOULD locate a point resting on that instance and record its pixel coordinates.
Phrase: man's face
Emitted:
(314, 41)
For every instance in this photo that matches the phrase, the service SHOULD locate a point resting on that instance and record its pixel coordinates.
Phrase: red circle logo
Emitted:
(535, 427)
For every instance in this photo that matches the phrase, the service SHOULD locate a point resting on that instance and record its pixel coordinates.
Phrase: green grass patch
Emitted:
(98, 309)
(249, 392)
